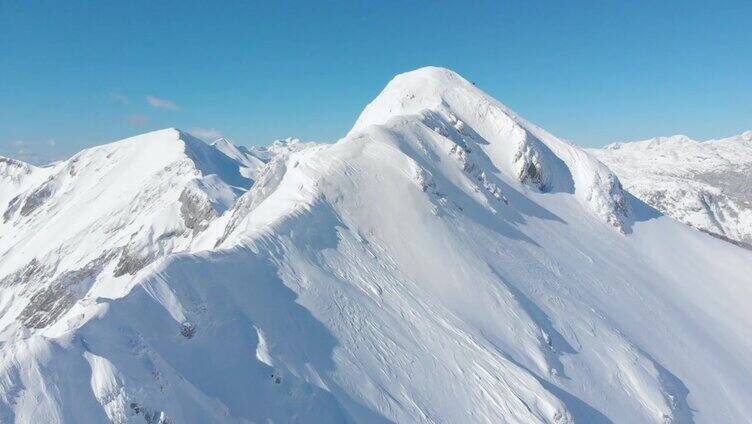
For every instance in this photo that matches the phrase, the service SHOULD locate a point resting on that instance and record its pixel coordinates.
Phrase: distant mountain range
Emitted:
(707, 185)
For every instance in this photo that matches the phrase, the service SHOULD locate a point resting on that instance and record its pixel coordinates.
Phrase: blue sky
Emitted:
(76, 74)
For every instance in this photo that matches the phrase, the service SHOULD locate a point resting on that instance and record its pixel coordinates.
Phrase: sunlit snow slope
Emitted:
(707, 185)
(446, 261)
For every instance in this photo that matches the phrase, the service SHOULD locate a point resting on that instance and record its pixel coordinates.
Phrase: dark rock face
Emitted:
(29, 203)
(34, 269)
(36, 199)
(151, 416)
(196, 210)
(11, 162)
(13, 170)
(533, 174)
(188, 330)
(621, 204)
(13, 206)
(726, 239)
(531, 169)
(47, 305)
(130, 263)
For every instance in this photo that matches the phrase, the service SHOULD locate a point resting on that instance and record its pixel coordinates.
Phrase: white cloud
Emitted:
(208, 134)
(51, 142)
(161, 103)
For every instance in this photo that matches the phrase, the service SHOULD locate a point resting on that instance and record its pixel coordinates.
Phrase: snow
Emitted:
(116, 207)
(250, 164)
(445, 261)
(17, 176)
(703, 184)
(519, 150)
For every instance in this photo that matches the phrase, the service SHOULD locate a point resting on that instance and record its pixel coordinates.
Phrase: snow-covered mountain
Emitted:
(445, 261)
(110, 210)
(707, 185)
(16, 176)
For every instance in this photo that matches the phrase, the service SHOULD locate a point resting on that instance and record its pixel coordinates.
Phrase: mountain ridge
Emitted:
(438, 263)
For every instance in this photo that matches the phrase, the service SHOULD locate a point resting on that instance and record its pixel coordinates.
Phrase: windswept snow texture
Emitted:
(446, 261)
(707, 185)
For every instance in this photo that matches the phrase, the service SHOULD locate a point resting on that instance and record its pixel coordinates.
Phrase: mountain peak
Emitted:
(12, 166)
(430, 75)
(414, 91)
(472, 121)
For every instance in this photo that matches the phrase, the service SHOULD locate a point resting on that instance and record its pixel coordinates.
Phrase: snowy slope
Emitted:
(707, 185)
(446, 261)
(250, 164)
(106, 212)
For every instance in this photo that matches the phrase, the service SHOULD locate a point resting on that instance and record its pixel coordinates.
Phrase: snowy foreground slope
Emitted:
(446, 261)
(703, 184)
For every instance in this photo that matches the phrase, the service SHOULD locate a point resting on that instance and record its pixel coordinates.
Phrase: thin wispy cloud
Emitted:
(161, 103)
(137, 120)
(208, 134)
(29, 157)
(31, 153)
(52, 142)
(119, 98)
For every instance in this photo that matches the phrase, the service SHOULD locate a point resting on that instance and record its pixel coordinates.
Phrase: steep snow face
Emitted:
(409, 273)
(94, 221)
(707, 185)
(250, 164)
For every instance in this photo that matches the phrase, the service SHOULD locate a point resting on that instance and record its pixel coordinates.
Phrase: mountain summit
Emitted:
(445, 261)
(521, 152)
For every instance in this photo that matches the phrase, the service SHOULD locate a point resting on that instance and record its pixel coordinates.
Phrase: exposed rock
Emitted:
(188, 330)
(150, 416)
(131, 262)
(530, 166)
(196, 209)
(13, 206)
(36, 199)
(424, 179)
(31, 271)
(14, 170)
(47, 305)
